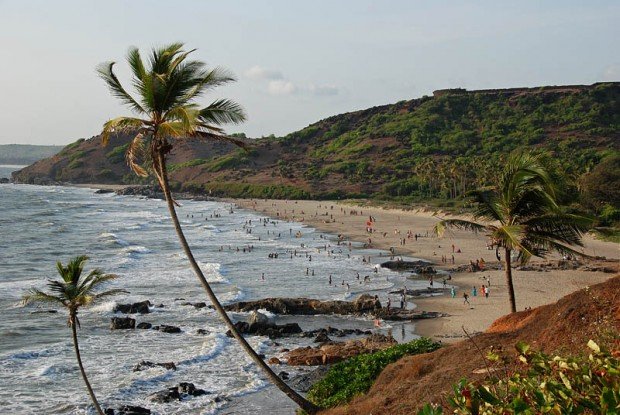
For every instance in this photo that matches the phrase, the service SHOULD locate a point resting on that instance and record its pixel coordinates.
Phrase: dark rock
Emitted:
(306, 306)
(186, 388)
(141, 307)
(44, 312)
(322, 338)
(122, 323)
(262, 355)
(164, 328)
(166, 395)
(200, 305)
(283, 375)
(304, 381)
(4, 180)
(144, 326)
(419, 267)
(272, 331)
(132, 410)
(151, 192)
(145, 364)
(176, 393)
(103, 191)
(202, 331)
(274, 361)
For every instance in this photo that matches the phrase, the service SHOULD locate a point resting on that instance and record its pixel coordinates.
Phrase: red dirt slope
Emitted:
(565, 327)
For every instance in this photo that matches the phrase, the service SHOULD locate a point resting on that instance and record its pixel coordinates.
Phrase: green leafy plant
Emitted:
(355, 376)
(545, 385)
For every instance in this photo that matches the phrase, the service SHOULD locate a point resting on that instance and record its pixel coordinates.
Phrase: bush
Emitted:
(355, 376)
(554, 385)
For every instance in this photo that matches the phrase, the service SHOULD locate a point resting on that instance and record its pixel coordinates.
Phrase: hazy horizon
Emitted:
(295, 63)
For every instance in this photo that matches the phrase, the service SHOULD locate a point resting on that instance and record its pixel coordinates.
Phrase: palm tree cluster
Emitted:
(72, 292)
(521, 215)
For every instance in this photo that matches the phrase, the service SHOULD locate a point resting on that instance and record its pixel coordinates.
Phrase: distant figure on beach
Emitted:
(474, 291)
(486, 292)
(465, 298)
(263, 277)
(453, 292)
(389, 304)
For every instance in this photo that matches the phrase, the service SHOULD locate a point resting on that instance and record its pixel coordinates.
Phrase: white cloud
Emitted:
(257, 72)
(281, 87)
(611, 73)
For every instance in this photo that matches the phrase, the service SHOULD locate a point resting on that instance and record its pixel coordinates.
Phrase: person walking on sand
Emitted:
(453, 292)
(486, 292)
(474, 291)
(465, 298)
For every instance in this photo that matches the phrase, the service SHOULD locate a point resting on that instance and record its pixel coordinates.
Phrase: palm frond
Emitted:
(38, 296)
(442, 225)
(106, 72)
(487, 206)
(222, 111)
(135, 150)
(121, 124)
(216, 77)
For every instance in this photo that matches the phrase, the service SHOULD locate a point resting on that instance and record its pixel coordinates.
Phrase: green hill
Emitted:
(435, 147)
(25, 153)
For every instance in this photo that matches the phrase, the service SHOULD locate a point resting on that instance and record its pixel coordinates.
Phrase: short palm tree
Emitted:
(167, 88)
(73, 292)
(522, 215)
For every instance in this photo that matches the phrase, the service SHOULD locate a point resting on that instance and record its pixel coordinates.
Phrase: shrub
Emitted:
(355, 376)
(554, 385)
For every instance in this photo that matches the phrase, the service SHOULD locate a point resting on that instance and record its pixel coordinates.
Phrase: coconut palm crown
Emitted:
(522, 215)
(167, 88)
(75, 290)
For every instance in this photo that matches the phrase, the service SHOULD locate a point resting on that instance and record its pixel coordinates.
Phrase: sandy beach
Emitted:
(391, 227)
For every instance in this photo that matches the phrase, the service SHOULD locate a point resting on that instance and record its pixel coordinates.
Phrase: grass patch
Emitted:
(355, 376)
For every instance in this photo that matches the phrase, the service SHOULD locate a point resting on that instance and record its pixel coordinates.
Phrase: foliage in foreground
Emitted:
(547, 385)
(355, 376)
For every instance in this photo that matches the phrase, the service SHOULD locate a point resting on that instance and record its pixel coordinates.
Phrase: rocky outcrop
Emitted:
(272, 331)
(419, 267)
(337, 351)
(177, 393)
(145, 364)
(141, 307)
(304, 381)
(122, 323)
(151, 192)
(364, 304)
(144, 326)
(128, 410)
(164, 328)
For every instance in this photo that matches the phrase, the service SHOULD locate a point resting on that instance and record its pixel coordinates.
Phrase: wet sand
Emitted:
(390, 227)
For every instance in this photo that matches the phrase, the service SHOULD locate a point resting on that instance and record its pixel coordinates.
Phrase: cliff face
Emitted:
(432, 147)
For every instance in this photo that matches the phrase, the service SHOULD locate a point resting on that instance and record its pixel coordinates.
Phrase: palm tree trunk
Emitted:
(79, 360)
(511, 289)
(303, 403)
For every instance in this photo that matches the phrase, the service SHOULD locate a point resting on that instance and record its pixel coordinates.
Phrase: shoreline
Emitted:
(533, 288)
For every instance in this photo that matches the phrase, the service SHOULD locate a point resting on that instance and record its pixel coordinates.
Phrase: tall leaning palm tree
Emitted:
(73, 292)
(522, 216)
(166, 112)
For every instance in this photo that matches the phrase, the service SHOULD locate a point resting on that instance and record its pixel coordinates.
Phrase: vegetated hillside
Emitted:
(21, 154)
(431, 147)
(564, 327)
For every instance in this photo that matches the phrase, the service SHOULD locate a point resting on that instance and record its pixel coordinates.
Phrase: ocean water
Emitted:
(133, 238)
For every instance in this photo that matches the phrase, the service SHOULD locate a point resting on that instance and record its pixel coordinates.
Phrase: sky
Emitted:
(296, 62)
